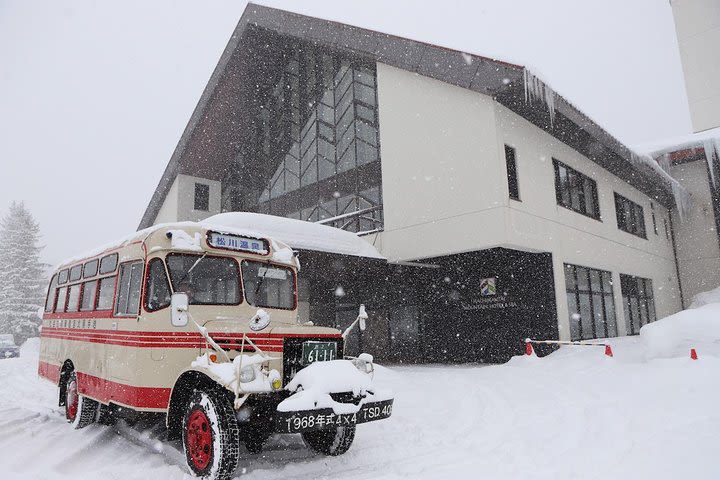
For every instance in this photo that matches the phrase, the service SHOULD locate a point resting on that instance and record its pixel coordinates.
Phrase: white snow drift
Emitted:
(648, 412)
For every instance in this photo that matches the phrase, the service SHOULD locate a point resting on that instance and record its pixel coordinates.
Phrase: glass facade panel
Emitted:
(313, 139)
(590, 303)
(639, 302)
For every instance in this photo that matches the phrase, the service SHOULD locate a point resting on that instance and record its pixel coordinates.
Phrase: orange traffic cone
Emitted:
(529, 348)
(693, 354)
(608, 351)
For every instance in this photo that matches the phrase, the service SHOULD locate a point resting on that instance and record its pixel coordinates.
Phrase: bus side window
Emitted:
(157, 290)
(61, 299)
(50, 300)
(128, 292)
(107, 291)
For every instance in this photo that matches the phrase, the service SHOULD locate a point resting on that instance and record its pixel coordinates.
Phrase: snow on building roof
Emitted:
(674, 144)
(297, 233)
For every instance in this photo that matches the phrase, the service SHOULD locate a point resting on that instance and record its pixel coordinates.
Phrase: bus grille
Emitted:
(292, 354)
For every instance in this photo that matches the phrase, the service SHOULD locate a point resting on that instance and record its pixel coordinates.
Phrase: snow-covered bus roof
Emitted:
(297, 233)
(281, 232)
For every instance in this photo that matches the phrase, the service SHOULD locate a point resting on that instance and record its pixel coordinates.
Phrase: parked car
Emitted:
(8, 349)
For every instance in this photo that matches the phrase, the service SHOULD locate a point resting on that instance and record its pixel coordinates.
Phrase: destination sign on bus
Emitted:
(236, 242)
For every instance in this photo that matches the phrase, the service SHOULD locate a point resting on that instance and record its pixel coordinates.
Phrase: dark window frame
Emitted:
(103, 263)
(512, 173)
(567, 191)
(627, 214)
(82, 296)
(112, 296)
(146, 287)
(644, 297)
(89, 266)
(241, 292)
(63, 276)
(277, 265)
(75, 273)
(118, 289)
(606, 297)
(201, 199)
(654, 220)
(50, 298)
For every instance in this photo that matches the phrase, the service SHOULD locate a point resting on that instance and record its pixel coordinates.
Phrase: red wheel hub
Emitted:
(199, 439)
(71, 400)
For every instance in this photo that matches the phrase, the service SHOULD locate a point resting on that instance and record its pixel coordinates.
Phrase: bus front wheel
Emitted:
(211, 435)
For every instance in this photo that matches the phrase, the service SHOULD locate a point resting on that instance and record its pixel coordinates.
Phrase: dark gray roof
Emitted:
(211, 134)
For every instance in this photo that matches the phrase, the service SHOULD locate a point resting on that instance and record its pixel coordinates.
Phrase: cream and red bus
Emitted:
(199, 322)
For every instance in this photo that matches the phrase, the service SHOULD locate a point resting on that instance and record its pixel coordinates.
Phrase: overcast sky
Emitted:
(95, 95)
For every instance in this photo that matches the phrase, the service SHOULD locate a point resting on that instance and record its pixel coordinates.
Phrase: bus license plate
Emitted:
(318, 352)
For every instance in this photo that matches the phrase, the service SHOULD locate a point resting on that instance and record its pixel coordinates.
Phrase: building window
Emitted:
(576, 191)
(512, 177)
(590, 303)
(630, 216)
(639, 303)
(314, 131)
(652, 213)
(202, 197)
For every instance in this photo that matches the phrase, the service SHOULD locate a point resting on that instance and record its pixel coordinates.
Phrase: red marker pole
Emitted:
(693, 354)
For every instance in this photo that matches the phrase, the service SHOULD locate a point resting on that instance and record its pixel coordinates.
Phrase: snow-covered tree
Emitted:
(22, 282)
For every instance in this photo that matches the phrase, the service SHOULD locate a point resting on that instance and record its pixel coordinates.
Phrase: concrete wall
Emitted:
(697, 23)
(180, 201)
(445, 190)
(698, 250)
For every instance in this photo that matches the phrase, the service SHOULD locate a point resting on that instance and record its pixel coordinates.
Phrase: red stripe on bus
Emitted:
(49, 371)
(252, 336)
(109, 391)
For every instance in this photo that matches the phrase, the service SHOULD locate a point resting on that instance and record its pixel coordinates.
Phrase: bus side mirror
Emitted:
(179, 308)
(362, 316)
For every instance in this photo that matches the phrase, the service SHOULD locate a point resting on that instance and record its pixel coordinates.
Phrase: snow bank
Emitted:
(297, 233)
(705, 298)
(675, 335)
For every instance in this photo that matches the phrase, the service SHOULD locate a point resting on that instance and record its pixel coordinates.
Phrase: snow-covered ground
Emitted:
(648, 412)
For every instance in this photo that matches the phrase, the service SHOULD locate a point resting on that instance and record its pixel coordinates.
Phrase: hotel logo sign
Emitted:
(488, 286)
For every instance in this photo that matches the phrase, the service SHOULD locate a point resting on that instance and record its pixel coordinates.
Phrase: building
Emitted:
(697, 24)
(501, 209)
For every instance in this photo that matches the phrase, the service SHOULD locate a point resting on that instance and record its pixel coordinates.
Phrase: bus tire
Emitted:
(79, 410)
(210, 435)
(106, 415)
(331, 442)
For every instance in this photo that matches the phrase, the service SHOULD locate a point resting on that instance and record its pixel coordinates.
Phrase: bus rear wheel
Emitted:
(211, 435)
(330, 442)
(79, 410)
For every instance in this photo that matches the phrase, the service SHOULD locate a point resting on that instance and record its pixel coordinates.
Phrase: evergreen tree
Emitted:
(22, 281)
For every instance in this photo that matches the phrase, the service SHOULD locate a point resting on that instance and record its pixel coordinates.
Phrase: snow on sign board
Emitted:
(236, 242)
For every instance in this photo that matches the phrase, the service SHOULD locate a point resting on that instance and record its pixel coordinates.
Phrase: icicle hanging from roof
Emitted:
(536, 89)
(712, 155)
(682, 198)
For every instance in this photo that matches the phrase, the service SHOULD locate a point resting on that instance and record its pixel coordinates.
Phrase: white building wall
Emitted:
(538, 222)
(179, 204)
(445, 190)
(697, 23)
(698, 250)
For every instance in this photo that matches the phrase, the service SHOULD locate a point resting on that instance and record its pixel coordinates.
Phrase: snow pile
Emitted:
(228, 372)
(181, 240)
(675, 335)
(705, 298)
(297, 233)
(314, 384)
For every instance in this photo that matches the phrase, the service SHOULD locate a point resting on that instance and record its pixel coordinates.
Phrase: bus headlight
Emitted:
(247, 374)
(275, 380)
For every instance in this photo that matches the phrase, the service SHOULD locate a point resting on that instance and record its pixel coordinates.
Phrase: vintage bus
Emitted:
(199, 323)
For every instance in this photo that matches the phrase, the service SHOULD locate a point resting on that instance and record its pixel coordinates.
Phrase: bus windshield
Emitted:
(269, 286)
(207, 280)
